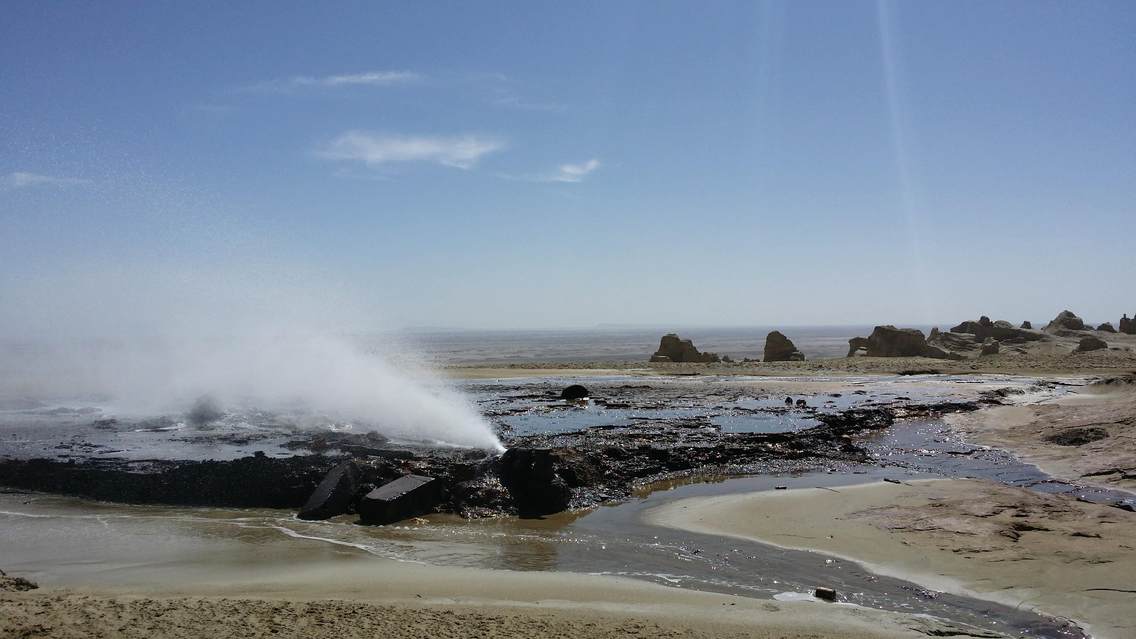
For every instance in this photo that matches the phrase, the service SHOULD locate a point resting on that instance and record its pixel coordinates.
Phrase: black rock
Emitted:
(574, 392)
(405, 497)
(333, 495)
(529, 474)
(825, 594)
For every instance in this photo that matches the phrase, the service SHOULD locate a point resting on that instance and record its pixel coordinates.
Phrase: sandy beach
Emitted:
(366, 599)
(982, 539)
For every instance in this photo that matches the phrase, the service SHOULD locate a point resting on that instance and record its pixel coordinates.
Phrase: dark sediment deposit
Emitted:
(539, 474)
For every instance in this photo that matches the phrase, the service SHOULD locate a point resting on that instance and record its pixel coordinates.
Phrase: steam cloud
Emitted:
(154, 342)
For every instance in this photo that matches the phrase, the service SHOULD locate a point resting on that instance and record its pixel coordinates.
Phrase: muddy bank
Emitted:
(1019, 547)
(1088, 437)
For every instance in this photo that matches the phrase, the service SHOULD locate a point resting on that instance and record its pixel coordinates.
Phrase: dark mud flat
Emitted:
(581, 468)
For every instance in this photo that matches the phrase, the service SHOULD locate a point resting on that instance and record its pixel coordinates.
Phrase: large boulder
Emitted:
(529, 474)
(1001, 330)
(675, 349)
(1065, 320)
(990, 347)
(333, 495)
(779, 348)
(1091, 343)
(889, 341)
(405, 497)
(574, 392)
(1128, 326)
(1106, 327)
(1027, 325)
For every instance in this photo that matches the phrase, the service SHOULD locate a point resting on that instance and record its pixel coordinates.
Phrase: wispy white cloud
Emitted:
(575, 172)
(366, 78)
(376, 150)
(570, 173)
(24, 180)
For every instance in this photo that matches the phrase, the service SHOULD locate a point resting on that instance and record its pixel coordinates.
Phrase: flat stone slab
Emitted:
(405, 497)
(334, 494)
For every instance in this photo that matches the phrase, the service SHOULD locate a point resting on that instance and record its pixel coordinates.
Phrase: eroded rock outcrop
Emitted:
(990, 347)
(954, 342)
(779, 348)
(1001, 330)
(1091, 343)
(1127, 326)
(889, 341)
(1065, 320)
(1106, 328)
(672, 348)
(1028, 325)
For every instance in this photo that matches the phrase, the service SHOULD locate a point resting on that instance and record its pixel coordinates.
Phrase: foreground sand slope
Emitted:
(390, 599)
(1089, 437)
(1010, 545)
(67, 616)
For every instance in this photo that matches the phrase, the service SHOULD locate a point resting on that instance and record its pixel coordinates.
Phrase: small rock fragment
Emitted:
(825, 594)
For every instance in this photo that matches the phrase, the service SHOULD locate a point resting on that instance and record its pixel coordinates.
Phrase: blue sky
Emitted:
(497, 165)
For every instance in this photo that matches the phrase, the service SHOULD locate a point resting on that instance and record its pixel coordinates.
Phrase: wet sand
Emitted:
(1097, 426)
(385, 598)
(1011, 545)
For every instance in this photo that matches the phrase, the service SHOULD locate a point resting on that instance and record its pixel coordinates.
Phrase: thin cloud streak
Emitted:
(364, 79)
(565, 173)
(376, 150)
(24, 180)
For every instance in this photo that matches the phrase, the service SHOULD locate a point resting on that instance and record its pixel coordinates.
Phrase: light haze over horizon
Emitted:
(541, 165)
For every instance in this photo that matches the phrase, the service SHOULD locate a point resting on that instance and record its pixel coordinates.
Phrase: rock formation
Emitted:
(1128, 326)
(954, 341)
(674, 349)
(1106, 327)
(1027, 325)
(1001, 330)
(779, 348)
(1065, 320)
(990, 347)
(529, 474)
(889, 341)
(1091, 343)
